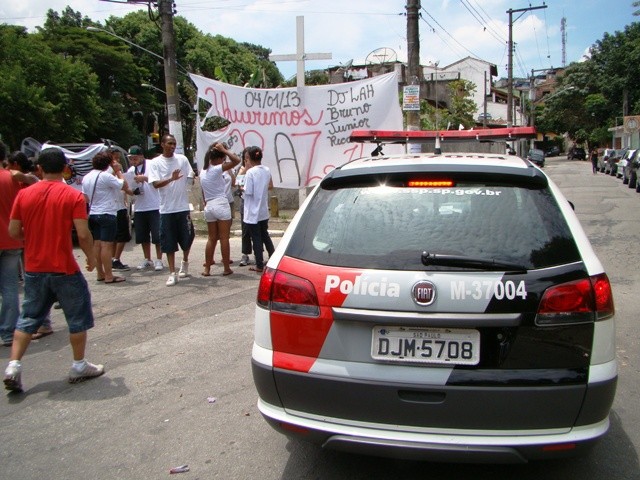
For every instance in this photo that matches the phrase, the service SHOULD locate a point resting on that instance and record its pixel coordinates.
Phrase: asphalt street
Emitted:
(178, 388)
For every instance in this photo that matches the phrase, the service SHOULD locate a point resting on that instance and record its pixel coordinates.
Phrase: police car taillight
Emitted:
(283, 292)
(580, 301)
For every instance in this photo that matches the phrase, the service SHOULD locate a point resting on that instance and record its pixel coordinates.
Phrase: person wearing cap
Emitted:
(146, 217)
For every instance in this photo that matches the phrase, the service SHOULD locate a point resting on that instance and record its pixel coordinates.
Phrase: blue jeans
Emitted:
(260, 236)
(41, 290)
(9, 286)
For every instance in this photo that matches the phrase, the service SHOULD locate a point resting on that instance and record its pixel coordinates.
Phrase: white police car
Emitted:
(439, 307)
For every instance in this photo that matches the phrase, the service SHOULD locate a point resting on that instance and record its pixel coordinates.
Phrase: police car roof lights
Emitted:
(424, 136)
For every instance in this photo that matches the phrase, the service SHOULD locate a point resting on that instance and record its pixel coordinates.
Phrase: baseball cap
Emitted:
(135, 150)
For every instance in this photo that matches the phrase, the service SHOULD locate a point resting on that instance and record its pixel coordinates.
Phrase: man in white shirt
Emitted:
(147, 209)
(171, 174)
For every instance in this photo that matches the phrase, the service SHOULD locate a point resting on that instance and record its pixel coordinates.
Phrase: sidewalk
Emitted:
(277, 225)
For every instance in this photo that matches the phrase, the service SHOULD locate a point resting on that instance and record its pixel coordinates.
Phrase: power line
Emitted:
(493, 22)
(475, 14)
(452, 37)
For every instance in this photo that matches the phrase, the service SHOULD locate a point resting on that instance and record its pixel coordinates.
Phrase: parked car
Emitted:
(602, 159)
(484, 116)
(410, 312)
(634, 167)
(576, 153)
(611, 166)
(622, 170)
(536, 156)
(553, 152)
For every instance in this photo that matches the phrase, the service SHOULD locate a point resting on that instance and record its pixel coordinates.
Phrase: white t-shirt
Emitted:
(149, 200)
(174, 197)
(227, 185)
(212, 182)
(103, 191)
(256, 194)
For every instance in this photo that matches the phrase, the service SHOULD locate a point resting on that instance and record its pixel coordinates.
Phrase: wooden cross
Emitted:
(300, 56)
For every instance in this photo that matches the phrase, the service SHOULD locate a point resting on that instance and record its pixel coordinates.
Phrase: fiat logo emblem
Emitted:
(424, 293)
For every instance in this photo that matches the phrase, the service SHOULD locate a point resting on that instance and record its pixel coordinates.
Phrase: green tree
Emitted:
(43, 95)
(460, 111)
(593, 93)
(111, 60)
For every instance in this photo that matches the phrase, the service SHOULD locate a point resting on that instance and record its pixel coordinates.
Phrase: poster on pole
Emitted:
(304, 132)
(411, 98)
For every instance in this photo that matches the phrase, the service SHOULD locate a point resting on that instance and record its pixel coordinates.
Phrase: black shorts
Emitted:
(176, 229)
(123, 232)
(147, 227)
(103, 227)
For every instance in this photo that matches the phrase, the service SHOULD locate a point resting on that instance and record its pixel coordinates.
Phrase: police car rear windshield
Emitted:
(389, 227)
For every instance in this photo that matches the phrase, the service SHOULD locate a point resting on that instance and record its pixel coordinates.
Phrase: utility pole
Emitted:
(510, 64)
(165, 9)
(413, 53)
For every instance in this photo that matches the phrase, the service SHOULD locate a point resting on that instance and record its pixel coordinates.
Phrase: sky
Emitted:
(364, 31)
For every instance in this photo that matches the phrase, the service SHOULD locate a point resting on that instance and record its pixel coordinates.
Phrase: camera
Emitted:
(137, 191)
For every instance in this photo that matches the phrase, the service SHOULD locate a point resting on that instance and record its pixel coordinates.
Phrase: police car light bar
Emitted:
(424, 136)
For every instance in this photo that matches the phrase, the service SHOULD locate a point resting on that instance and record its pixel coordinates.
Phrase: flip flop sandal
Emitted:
(38, 335)
(116, 280)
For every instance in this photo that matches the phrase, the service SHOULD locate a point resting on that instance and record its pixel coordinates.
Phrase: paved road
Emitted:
(178, 387)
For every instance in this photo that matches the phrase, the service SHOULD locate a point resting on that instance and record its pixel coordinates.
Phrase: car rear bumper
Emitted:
(373, 430)
(444, 446)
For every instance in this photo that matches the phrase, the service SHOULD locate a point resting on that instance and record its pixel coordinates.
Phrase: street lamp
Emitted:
(171, 89)
(129, 42)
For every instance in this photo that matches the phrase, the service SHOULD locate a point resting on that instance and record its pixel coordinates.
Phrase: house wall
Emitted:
(477, 72)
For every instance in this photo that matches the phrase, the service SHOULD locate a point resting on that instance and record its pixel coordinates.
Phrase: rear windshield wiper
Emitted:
(462, 261)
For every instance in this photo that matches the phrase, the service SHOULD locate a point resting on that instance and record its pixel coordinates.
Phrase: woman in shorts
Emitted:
(217, 212)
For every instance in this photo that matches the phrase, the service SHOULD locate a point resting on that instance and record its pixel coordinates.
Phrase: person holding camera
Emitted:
(146, 210)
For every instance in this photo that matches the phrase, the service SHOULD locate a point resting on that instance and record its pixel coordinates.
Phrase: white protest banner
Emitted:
(304, 133)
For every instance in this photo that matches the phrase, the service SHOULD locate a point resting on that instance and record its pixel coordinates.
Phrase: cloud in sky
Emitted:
(449, 29)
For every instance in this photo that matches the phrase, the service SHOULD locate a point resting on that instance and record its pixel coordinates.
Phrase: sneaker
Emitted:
(13, 378)
(157, 265)
(145, 264)
(172, 280)
(89, 371)
(244, 261)
(118, 265)
(184, 269)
